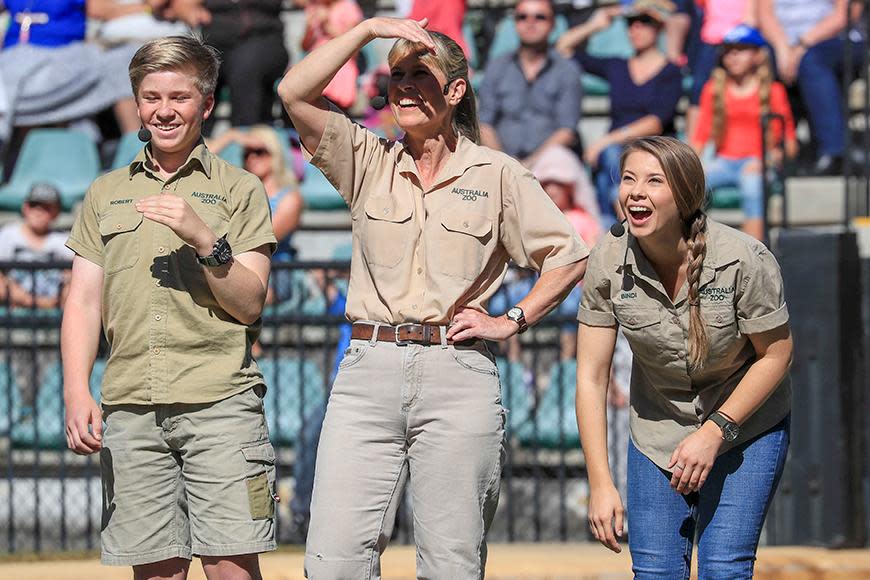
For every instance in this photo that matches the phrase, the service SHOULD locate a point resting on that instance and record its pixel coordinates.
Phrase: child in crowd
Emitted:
(739, 94)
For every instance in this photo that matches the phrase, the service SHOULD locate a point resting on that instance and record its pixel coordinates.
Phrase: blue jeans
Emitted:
(727, 513)
(721, 171)
(819, 76)
(607, 183)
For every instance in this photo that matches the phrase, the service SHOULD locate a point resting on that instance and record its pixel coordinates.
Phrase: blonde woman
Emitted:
(436, 217)
(733, 102)
(703, 309)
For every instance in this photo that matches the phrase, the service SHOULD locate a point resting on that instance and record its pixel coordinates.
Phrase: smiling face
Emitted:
(417, 99)
(172, 108)
(646, 197)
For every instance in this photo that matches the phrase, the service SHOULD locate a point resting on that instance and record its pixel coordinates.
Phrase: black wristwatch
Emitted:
(221, 254)
(517, 315)
(730, 429)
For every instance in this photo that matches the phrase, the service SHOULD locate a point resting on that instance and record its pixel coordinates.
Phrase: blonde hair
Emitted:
(272, 141)
(450, 60)
(719, 76)
(177, 53)
(685, 176)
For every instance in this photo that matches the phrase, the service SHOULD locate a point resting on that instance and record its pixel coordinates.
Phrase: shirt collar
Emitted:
(466, 155)
(199, 156)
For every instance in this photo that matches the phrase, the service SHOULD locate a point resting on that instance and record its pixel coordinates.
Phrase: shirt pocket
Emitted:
(721, 326)
(460, 246)
(642, 328)
(121, 243)
(387, 231)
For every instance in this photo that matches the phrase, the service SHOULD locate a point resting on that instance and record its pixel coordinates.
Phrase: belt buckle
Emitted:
(400, 342)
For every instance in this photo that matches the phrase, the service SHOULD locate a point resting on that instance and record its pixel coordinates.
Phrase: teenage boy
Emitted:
(172, 257)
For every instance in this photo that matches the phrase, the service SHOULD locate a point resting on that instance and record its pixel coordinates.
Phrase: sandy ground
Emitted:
(506, 562)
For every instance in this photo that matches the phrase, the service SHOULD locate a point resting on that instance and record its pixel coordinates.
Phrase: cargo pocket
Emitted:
(118, 230)
(260, 457)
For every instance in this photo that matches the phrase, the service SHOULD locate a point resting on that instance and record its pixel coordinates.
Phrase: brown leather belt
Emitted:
(425, 334)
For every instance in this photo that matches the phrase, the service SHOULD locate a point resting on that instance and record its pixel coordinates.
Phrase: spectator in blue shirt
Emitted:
(644, 89)
(530, 99)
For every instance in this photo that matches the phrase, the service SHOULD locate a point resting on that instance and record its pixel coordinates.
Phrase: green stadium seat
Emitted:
(516, 397)
(128, 148)
(555, 425)
(317, 192)
(295, 388)
(726, 198)
(66, 158)
(43, 426)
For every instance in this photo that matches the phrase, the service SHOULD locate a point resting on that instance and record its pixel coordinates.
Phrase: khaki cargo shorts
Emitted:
(187, 479)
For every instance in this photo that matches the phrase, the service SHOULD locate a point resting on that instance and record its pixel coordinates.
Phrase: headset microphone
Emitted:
(144, 134)
(379, 102)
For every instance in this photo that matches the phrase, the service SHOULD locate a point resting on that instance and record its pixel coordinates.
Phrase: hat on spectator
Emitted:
(43, 192)
(560, 164)
(659, 10)
(744, 35)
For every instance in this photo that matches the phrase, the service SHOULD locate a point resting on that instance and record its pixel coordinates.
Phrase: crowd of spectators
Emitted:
(707, 71)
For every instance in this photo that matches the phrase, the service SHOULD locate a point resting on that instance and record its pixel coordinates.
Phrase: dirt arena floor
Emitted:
(506, 562)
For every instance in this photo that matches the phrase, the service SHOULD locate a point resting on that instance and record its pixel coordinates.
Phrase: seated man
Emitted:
(530, 99)
(32, 240)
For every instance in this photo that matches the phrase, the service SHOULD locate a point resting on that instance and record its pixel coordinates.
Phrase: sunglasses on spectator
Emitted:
(257, 152)
(523, 16)
(642, 19)
(44, 205)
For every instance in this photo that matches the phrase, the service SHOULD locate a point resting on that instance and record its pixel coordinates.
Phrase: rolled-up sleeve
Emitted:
(761, 305)
(533, 231)
(596, 307)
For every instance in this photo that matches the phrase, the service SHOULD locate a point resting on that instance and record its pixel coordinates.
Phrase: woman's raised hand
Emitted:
(413, 30)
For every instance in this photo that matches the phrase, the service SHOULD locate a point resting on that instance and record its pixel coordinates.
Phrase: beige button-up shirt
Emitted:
(741, 294)
(171, 342)
(419, 254)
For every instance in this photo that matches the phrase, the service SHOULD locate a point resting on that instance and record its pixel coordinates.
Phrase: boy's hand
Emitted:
(175, 212)
(81, 412)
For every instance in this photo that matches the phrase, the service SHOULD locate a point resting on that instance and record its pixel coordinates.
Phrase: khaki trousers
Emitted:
(428, 415)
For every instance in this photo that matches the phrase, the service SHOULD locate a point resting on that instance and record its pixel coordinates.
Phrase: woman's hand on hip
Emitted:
(413, 30)
(694, 457)
(606, 516)
(469, 323)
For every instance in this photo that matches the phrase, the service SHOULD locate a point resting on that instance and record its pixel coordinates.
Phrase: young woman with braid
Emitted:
(703, 309)
(738, 95)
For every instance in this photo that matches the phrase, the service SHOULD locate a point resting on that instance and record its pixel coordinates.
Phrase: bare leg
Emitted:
(242, 567)
(173, 569)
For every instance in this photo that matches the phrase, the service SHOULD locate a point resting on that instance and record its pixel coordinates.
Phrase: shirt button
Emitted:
(386, 210)
(413, 307)
(117, 226)
(631, 320)
(465, 224)
(718, 319)
(419, 270)
(156, 350)
(157, 282)
(676, 319)
(161, 249)
(157, 317)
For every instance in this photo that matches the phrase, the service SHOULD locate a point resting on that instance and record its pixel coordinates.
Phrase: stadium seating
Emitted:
(295, 390)
(554, 423)
(506, 40)
(66, 158)
(42, 427)
(317, 192)
(234, 154)
(128, 148)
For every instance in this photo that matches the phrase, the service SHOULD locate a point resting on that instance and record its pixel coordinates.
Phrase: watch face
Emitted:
(222, 251)
(514, 313)
(730, 431)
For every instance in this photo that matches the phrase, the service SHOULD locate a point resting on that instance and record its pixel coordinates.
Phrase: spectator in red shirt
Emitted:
(741, 90)
(445, 16)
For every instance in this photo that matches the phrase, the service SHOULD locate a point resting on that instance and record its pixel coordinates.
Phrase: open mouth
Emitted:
(165, 128)
(639, 214)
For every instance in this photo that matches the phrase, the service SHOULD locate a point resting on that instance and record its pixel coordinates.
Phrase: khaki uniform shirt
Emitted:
(741, 294)
(171, 342)
(419, 254)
